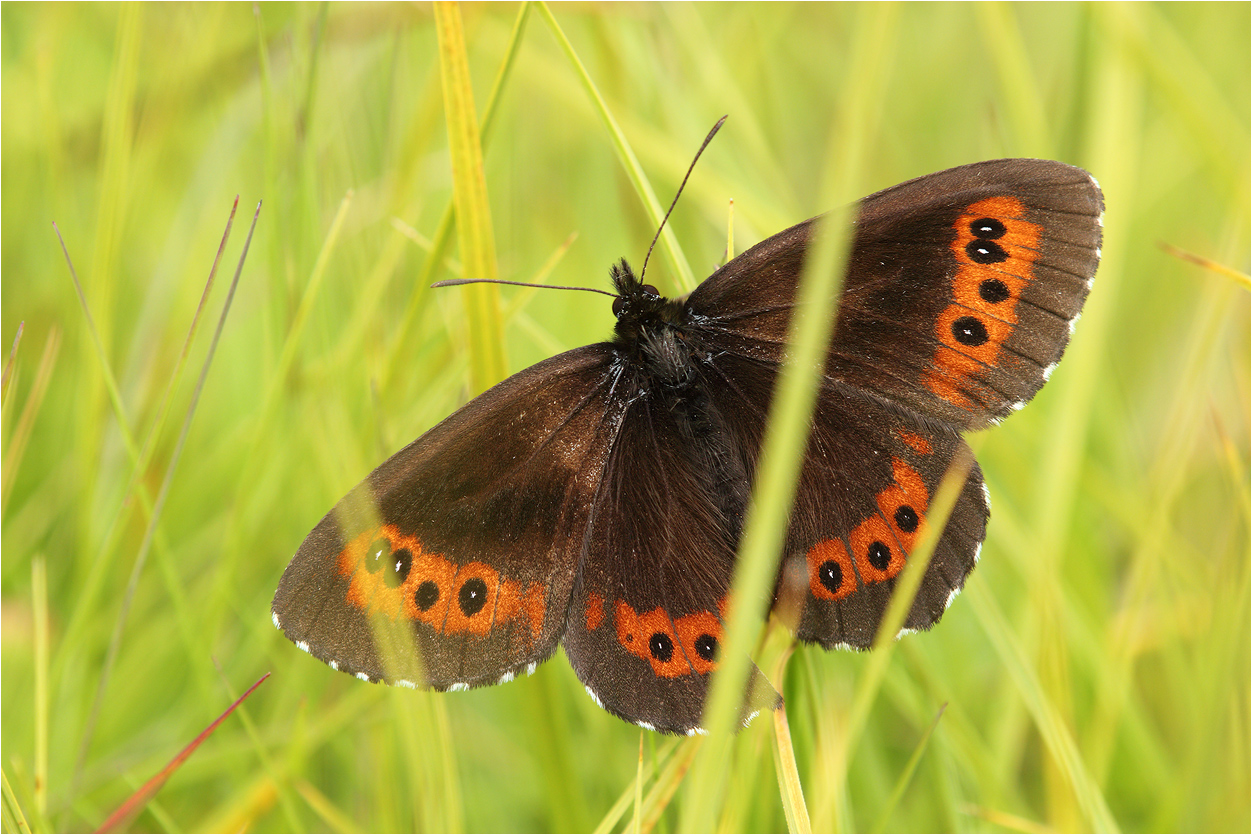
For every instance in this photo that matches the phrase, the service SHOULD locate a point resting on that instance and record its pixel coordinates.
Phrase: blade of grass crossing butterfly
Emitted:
(786, 434)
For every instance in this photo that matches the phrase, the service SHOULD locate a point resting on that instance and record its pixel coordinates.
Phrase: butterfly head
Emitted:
(639, 307)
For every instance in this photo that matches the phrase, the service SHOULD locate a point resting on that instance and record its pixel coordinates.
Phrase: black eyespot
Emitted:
(879, 556)
(377, 555)
(993, 290)
(969, 331)
(706, 647)
(398, 567)
(985, 252)
(472, 596)
(987, 228)
(427, 595)
(906, 518)
(661, 646)
(830, 575)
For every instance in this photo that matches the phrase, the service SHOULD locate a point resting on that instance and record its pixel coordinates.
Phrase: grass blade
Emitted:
(906, 776)
(683, 276)
(8, 365)
(128, 811)
(115, 641)
(786, 434)
(469, 186)
(16, 446)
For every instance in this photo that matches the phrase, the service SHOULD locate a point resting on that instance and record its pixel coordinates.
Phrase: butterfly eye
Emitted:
(651, 291)
(618, 305)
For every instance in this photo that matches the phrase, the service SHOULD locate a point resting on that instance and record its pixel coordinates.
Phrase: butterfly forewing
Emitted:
(961, 290)
(471, 535)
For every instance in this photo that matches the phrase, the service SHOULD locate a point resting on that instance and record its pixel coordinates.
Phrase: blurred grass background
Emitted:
(1096, 669)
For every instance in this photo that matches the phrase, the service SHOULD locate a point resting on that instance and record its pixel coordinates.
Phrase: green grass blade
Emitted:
(786, 435)
(14, 820)
(478, 249)
(906, 776)
(443, 231)
(1056, 736)
(683, 276)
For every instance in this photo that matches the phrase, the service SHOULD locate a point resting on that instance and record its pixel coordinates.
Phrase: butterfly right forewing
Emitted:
(962, 288)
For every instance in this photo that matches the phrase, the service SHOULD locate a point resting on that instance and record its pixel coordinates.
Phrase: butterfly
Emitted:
(595, 500)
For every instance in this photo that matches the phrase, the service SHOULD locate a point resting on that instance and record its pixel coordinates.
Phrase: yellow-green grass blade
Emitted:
(786, 435)
(683, 275)
(443, 231)
(469, 188)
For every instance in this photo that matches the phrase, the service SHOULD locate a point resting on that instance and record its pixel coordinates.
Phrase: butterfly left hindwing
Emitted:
(646, 618)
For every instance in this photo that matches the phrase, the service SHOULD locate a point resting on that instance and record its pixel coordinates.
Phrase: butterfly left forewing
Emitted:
(469, 537)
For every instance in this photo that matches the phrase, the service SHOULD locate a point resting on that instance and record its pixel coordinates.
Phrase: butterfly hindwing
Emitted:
(471, 535)
(850, 546)
(869, 475)
(645, 624)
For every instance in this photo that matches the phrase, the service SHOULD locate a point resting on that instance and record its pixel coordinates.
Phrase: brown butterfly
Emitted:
(595, 500)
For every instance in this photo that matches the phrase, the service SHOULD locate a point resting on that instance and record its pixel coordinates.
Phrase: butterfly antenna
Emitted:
(655, 238)
(454, 282)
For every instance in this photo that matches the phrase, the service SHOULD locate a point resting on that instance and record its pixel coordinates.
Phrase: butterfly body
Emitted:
(596, 500)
